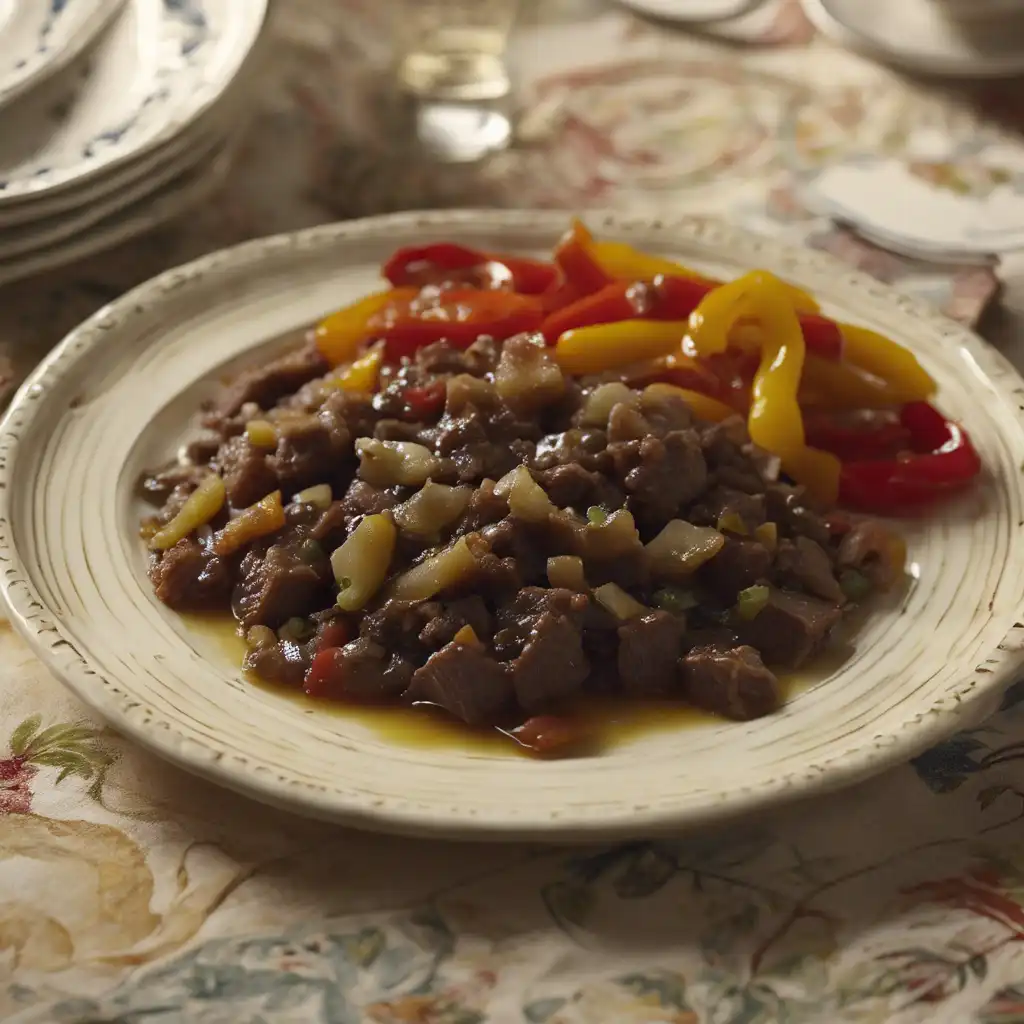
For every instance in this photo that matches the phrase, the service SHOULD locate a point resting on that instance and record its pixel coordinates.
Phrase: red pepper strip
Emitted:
(416, 265)
(671, 298)
(458, 317)
(944, 460)
(580, 267)
(334, 634)
(856, 442)
(424, 401)
(607, 306)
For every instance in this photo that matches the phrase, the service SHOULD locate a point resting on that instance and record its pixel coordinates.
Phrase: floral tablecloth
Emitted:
(131, 893)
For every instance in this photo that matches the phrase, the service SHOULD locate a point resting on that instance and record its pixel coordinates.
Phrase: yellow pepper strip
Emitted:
(775, 422)
(339, 335)
(843, 386)
(623, 261)
(202, 505)
(607, 346)
(884, 358)
(704, 406)
(360, 376)
(259, 520)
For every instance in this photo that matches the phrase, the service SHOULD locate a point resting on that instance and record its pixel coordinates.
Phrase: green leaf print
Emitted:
(542, 1010)
(21, 736)
(668, 986)
(364, 948)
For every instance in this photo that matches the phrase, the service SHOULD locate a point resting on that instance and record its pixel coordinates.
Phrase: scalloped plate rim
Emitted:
(973, 701)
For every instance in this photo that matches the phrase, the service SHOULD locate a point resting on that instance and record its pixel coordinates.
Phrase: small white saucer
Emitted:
(916, 35)
(693, 12)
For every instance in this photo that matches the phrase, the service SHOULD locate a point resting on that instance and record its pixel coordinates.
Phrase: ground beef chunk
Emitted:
(466, 681)
(804, 563)
(285, 662)
(305, 454)
(516, 618)
(183, 479)
(660, 475)
(347, 416)
(648, 651)
(363, 499)
(740, 564)
(572, 486)
(364, 671)
(787, 507)
(445, 620)
(280, 585)
(723, 445)
(484, 508)
(790, 628)
(248, 472)
(397, 430)
(265, 384)
(726, 501)
(733, 683)
(585, 449)
(553, 664)
(442, 358)
(187, 577)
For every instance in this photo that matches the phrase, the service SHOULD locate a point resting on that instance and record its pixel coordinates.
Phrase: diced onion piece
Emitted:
(259, 637)
(622, 605)
(731, 522)
(319, 496)
(466, 635)
(261, 434)
(361, 564)
(432, 508)
(202, 505)
(681, 548)
(386, 463)
(527, 500)
(751, 602)
(447, 568)
(702, 406)
(464, 389)
(613, 536)
(259, 520)
(526, 374)
(602, 400)
(768, 535)
(566, 571)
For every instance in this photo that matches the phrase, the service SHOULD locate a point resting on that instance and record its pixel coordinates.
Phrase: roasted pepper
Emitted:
(458, 317)
(775, 421)
(620, 260)
(426, 264)
(943, 461)
(839, 386)
(611, 345)
(704, 406)
(360, 376)
(339, 335)
(674, 299)
(884, 358)
(575, 257)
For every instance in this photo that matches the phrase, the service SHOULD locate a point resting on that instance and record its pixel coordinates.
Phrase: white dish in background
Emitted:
(919, 36)
(188, 190)
(39, 38)
(160, 68)
(114, 397)
(694, 12)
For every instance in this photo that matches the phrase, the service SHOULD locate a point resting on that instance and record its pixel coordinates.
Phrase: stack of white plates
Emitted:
(115, 115)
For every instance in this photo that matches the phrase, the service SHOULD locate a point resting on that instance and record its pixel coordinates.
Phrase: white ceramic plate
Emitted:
(694, 12)
(193, 184)
(38, 38)
(115, 396)
(924, 37)
(158, 70)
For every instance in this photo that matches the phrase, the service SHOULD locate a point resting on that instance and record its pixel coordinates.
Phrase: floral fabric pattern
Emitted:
(131, 893)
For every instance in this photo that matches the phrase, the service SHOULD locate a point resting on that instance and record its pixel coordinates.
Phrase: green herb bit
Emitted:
(596, 515)
(855, 585)
(296, 630)
(674, 599)
(751, 602)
